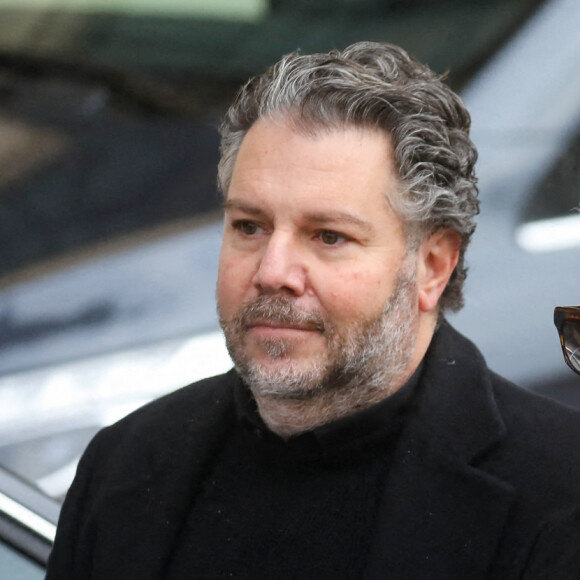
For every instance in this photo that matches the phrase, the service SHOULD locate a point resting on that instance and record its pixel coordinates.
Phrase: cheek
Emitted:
(226, 287)
(354, 295)
(233, 284)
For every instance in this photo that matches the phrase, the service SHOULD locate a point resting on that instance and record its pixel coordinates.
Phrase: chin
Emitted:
(284, 378)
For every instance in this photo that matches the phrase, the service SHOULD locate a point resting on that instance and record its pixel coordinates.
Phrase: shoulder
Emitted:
(531, 440)
(189, 414)
(543, 433)
(459, 361)
(131, 470)
(529, 411)
(539, 453)
(188, 403)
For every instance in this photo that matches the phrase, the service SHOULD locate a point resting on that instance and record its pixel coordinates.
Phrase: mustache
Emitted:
(279, 310)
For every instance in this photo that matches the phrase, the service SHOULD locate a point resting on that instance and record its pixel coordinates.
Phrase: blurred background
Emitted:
(110, 217)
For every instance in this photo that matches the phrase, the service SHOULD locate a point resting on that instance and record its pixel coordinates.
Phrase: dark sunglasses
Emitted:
(567, 321)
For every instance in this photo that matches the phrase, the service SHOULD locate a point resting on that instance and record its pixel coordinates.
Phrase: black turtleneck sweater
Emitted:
(298, 508)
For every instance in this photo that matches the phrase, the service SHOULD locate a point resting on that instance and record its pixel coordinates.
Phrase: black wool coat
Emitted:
(482, 475)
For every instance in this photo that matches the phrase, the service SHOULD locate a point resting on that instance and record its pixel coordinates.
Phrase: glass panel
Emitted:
(559, 193)
(15, 566)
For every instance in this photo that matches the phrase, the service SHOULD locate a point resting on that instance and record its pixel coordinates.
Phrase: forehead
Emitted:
(279, 148)
(283, 171)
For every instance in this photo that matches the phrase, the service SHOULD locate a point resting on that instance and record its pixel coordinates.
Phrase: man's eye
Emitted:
(331, 238)
(246, 227)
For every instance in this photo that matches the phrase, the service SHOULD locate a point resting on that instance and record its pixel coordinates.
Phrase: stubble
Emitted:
(361, 364)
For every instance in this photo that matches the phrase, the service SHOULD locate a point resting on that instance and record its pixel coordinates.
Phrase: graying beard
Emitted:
(275, 348)
(369, 361)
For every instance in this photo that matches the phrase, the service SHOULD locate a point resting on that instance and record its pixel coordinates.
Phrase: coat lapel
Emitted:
(147, 509)
(441, 516)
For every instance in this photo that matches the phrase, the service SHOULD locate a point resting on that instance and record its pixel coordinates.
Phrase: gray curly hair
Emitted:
(376, 85)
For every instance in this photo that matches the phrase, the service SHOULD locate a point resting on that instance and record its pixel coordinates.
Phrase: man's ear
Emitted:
(438, 257)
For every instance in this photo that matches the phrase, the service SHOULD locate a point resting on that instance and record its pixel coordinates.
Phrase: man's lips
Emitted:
(268, 326)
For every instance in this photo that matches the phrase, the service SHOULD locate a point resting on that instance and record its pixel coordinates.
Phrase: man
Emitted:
(359, 435)
(567, 321)
(557, 552)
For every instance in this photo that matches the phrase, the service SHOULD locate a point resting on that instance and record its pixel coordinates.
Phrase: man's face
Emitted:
(314, 282)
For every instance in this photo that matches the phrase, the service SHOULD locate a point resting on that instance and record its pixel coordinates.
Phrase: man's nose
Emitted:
(282, 266)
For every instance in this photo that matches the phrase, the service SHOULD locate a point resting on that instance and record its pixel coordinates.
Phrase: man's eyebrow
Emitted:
(326, 218)
(339, 217)
(230, 204)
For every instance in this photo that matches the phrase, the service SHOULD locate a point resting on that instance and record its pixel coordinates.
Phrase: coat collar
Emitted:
(457, 403)
(441, 516)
